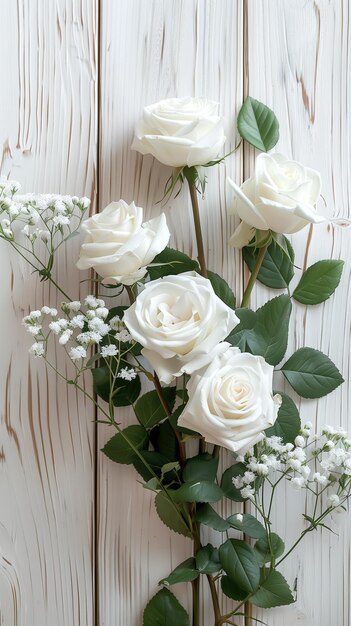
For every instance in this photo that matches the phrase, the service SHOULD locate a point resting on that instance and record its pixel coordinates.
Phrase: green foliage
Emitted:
(201, 467)
(231, 589)
(205, 514)
(288, 423)
(157, 462)
(149, 409)
(121, 447)
(207, 560)
(240, 563)
(171, 261)
(231, 492)
(319, 282)
(311, 373)
(277, 268)
(165, 610)
(266, 548)
(125, 392)
(222, 289)
(185, 572)
(198, 491)
(170, 515)
(264, 333)
(247, 524)
(258, 125)
(164, 440)
(273, 591)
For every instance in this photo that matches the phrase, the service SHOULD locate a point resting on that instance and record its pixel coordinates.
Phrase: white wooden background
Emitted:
(80, 543)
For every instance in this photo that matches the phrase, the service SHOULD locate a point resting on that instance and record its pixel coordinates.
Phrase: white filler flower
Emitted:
(119, 245)
(180, 131)
(280, 196)
(231, 401)
(180, 321)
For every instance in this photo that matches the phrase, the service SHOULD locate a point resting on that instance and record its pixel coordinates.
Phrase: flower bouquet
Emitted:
(195, 365)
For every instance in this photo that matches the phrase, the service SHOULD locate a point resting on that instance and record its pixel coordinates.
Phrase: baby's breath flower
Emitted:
(78, 321)
(247, 492)
(319, 478)
(102, 312)
(300, 441)
(65, 337)
(127, 374)
(90, 337)
(46, 310)
(34, 330)
(38, 349)
(123, 336)
(77, 353)
(58, 326)
(115, 322)
(334, 499)
(110, 350)
(298, 481)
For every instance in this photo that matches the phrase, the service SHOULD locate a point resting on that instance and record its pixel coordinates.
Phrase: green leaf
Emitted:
(239, 561)
(231, 590)
(156, 461)
(183, 573)
(258, 125)
(170, 515)
(165, 610)
(201, 467)
(319, 282)
(222, 289)
(269, 337)
(231, 492)
(262, 548)
(199, 491)
(311, 373)
(164, 440)
(207, 560)
(171, 262)
(149, 409)
(277, 268)
(205, 514)
(247, 524)
(240, 335)
(121, 451)
(174, 422)
(125, 391)
(273, 591)
(264, 333)
(288, 423)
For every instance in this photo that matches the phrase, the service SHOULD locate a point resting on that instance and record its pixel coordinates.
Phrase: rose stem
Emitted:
(157, 384)
(196, 582)
(198, 231)
(247, 293)
(245, 303)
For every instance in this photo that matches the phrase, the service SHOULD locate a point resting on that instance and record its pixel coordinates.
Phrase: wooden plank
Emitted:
(150, 51)
(298, 62)
(48, 139)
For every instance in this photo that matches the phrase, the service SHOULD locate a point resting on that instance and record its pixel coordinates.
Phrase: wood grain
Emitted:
(153, 51)
(48, 138)
(75, 77)
(298, 61)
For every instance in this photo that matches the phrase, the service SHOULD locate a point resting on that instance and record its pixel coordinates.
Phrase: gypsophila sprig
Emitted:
(37, 225)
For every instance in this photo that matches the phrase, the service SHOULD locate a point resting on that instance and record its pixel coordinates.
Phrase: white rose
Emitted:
(180, 321)
(119, 246)
(280, 196)
(180, 131)
(231, 402)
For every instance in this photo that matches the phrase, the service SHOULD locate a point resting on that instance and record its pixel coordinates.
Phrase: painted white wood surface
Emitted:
(174, 48)
(299, 63)
(292, 55)
(48, 138)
